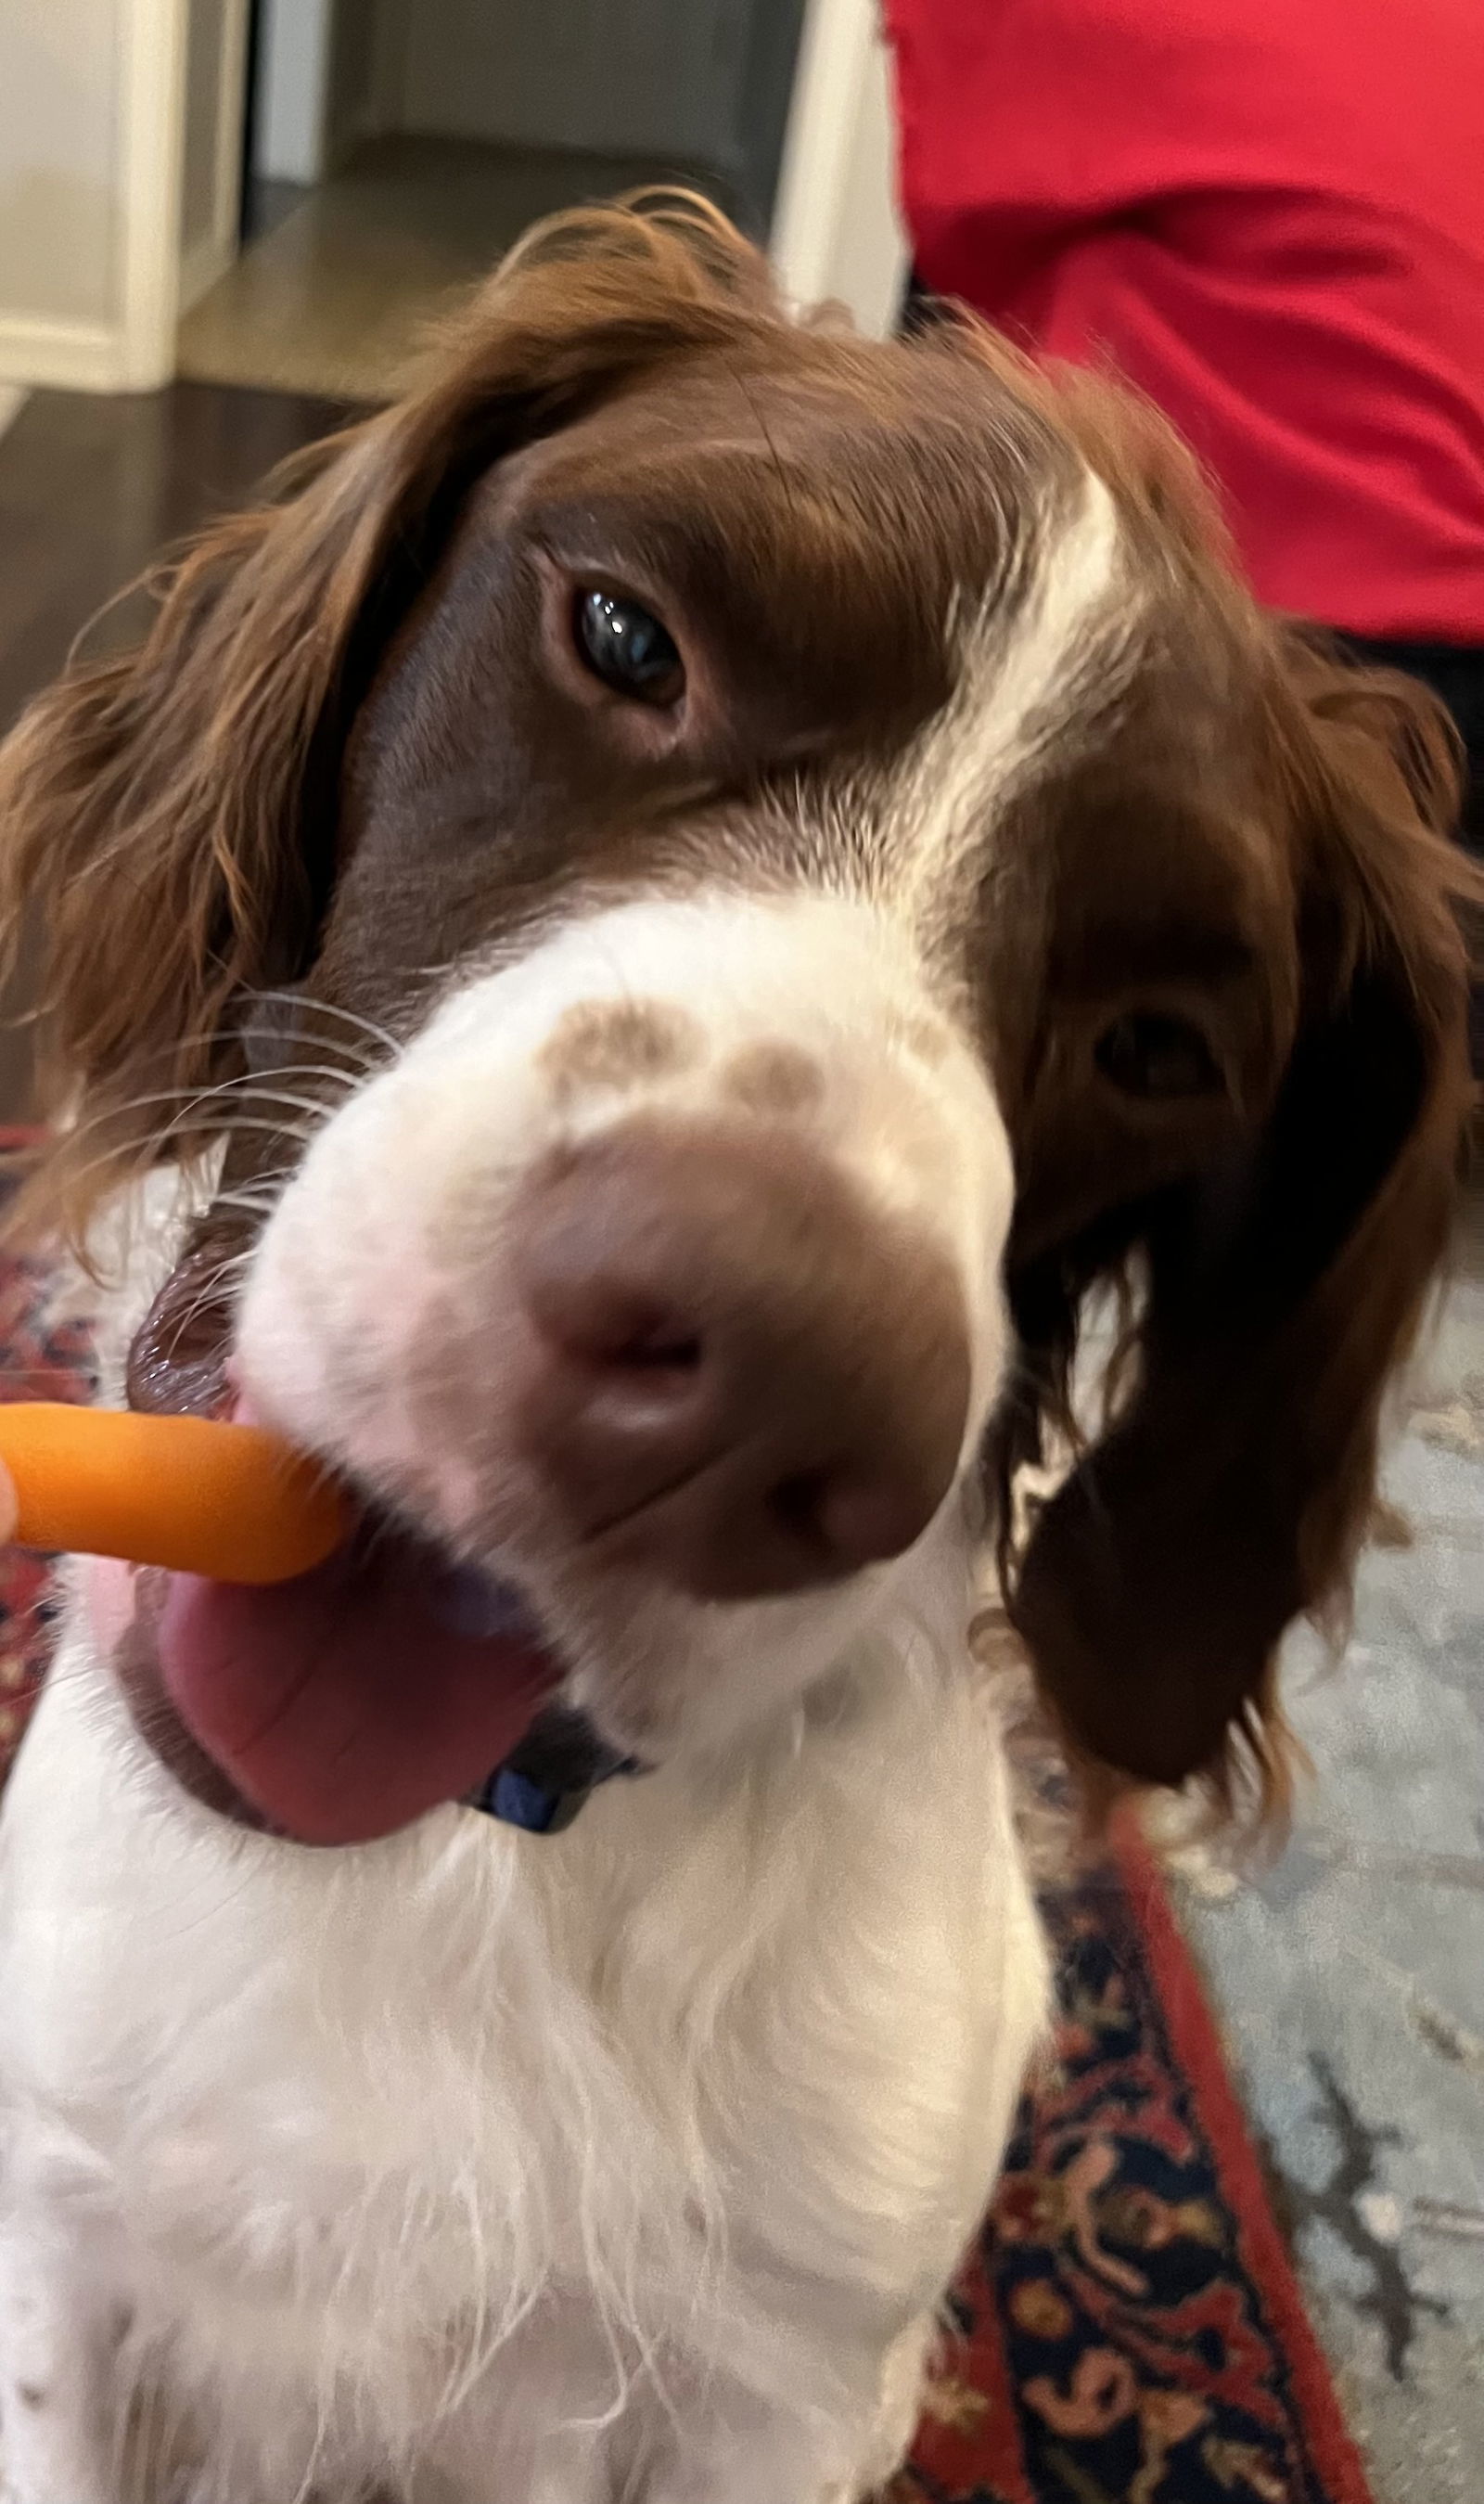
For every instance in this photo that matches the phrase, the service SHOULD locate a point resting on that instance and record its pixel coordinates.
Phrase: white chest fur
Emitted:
(720, 2076)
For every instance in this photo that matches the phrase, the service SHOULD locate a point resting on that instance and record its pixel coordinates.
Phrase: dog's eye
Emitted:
(1148, 1055)
(626, 647)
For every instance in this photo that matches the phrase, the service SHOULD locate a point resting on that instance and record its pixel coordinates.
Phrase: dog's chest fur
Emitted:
(418, 2096)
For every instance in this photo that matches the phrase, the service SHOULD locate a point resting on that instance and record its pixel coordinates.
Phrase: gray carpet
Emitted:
(1350, 1976)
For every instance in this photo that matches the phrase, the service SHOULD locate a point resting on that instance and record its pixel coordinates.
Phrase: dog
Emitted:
(623, 963)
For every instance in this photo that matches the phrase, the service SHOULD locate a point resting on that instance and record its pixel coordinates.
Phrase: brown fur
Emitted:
(601, 1045)
(1279, 1288)
(774, 1078)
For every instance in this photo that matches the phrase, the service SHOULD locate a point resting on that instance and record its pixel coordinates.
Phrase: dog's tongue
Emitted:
(349, 1702)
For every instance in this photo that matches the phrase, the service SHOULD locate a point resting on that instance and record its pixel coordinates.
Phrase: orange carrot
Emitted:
(234, 1503)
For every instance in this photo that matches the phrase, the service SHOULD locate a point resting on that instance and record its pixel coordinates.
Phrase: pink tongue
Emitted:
(349, 1702)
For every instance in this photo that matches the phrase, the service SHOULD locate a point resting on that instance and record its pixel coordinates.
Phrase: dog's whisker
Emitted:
(316, 1009)
(194, 1105)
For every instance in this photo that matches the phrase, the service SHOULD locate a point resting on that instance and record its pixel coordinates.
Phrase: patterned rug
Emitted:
(1127, 2327)
(1130, 2330)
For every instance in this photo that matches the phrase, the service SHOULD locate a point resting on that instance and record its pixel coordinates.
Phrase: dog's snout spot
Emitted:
(774, 1078)
(618, 1044)
(917, 1035)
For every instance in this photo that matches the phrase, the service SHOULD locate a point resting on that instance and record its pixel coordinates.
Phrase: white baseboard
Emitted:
(66, 355)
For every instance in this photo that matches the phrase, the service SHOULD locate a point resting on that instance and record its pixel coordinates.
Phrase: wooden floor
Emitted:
(91, 489)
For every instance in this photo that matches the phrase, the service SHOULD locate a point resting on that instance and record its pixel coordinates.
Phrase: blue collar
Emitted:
(543, 1783)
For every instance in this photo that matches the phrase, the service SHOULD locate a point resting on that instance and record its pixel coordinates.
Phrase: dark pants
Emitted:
(1455, 672)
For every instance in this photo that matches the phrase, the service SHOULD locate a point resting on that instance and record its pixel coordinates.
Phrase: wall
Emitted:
(642, 77)
(762, 109)
(323, 66)
(703, 84)
(353, 103)
(89, 189)
(293, 71)
(59, 92)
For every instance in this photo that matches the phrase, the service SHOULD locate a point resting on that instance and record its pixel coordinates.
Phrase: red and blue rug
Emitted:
(1128, 2329)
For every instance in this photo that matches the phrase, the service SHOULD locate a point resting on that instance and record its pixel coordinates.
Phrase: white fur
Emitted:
(1017, 687)
(626, 2164)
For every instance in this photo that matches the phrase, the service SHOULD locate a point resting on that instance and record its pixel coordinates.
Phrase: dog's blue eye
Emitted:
(626, 647)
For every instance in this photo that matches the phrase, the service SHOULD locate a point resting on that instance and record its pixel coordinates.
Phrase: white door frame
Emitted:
(835, 231)
(156, 284)
(152, 151)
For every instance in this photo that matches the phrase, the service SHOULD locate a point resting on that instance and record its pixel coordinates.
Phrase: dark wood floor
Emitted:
(91, 489)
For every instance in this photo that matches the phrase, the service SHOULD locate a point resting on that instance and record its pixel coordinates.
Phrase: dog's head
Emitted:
(704, 883)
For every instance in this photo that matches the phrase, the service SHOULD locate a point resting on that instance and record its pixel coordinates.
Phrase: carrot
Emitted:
(234, 1503)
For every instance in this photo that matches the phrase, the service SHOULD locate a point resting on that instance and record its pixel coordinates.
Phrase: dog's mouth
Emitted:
(347, 1703)
(343, 1705)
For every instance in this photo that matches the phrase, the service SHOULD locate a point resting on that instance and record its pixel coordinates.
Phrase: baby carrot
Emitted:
(234, 1503)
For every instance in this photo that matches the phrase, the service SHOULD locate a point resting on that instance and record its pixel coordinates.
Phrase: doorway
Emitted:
(388, 152)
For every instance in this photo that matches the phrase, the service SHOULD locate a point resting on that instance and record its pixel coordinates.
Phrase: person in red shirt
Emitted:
(1269, 216)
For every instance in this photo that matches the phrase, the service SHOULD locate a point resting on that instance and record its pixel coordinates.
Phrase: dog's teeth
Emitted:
(469, 1602)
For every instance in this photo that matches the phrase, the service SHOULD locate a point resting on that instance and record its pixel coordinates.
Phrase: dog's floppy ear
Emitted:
(167, 818)
(1234, 1487)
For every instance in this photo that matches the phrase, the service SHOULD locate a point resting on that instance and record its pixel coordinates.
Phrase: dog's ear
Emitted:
(167, 816)
(1276, 1290)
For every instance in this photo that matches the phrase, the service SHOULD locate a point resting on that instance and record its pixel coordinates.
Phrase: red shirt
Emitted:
(1269, 215)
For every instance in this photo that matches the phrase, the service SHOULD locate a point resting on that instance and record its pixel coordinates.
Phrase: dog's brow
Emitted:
(1017, 681)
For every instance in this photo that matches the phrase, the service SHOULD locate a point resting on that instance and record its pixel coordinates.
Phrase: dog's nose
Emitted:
(745, 1379)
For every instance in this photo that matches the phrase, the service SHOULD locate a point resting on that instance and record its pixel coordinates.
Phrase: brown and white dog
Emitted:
(621, 964)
